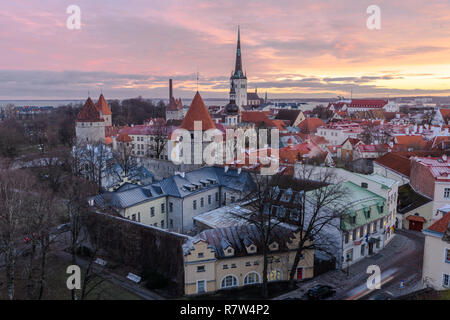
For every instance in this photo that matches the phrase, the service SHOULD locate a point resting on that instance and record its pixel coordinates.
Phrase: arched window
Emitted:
(229, 282)
(251, 278)
(274, 275)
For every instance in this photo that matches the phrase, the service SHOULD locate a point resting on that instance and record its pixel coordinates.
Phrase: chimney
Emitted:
(170, 90)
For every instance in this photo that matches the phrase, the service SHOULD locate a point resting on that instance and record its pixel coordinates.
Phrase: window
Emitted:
(171, 223)
(170, 207)
(233, 265)
(353, 219)
(194, 204)
(217, 196)
(162, 223)
(133, 217)
(152, 211)
(447, 255)
(201, 286)
(209, 199)
(200, 255)
(447, 193)
(139, 217)
(202, 202)
(233, 199)
(361, 232)
(381, 224)
(229, 282)
(201, 269)
(346, 238)
(354, 235)
(363, 247)
(349, 255)
(225, 266)
(251, 278)
(274, 275)
(446, 281)
(364, 185)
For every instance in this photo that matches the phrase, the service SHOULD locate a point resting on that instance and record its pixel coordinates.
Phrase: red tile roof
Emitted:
(416, 218)
(89, 113)
(102, 106)
(197, 112)
(400, 161)
(175, 104)
(254, 116)
(441, 225)
(411, 140)
(124, 137)
(445, 114)
(395, 162)
(310, 125)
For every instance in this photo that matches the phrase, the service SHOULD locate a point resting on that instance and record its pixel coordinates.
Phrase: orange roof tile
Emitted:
(102, 106)
(89, 112)
(441, 225)
(124, 137)
(197, 112)
(310, 125)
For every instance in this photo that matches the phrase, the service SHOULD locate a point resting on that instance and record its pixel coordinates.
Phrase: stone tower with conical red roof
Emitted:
(105, 111)
(90, 124)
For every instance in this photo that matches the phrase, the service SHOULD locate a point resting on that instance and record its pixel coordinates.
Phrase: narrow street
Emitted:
(400, 260)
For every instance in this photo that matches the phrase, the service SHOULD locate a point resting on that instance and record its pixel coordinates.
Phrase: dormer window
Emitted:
(273, 246)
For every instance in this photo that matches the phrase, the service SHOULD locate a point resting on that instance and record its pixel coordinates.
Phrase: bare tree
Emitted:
(91, 160)
(41, 219)
(78, 191)
(123, 156)
(160, 138)
(316, 210)
(13, 186)
(263, 217)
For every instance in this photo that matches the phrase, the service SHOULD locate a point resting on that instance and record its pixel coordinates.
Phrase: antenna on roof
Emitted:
(197, 78)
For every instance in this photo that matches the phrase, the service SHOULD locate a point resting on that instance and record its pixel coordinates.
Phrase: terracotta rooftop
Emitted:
(310, 125)
(175, 104)
(400, 161)
(89, 112)
(441, 225)
(411, 140)
(197, 112)
(124, 137)
(102, 106)
(254, 116)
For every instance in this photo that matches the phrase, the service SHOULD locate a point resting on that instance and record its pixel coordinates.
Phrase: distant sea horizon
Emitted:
(62, 102)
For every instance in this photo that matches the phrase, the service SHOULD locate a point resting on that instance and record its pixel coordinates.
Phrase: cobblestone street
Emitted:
(400, 260)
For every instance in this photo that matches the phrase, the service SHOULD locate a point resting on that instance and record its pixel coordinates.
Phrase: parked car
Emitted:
(320, 292)
(382, 296)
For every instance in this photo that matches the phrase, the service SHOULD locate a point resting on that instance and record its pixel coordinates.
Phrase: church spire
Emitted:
(238, 69)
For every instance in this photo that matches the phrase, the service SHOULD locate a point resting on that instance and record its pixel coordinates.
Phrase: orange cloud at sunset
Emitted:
(289, 48)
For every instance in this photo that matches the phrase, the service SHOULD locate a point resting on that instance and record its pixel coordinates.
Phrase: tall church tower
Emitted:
(238, 80)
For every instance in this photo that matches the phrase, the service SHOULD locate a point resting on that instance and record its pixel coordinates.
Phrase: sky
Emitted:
(291, 49)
